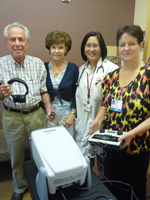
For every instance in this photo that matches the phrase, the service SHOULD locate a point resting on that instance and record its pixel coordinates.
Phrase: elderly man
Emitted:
(19, 119)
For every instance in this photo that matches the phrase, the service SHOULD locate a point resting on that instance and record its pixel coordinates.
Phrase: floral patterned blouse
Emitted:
(135, 107)
(57, 106)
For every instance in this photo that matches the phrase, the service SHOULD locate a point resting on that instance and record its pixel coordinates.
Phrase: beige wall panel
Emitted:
(77, 18)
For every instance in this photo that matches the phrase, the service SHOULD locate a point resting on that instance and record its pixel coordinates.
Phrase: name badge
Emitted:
(116, 105)
(87, 107)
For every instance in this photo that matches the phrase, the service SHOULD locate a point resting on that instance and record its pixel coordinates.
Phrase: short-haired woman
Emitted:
(130, 85)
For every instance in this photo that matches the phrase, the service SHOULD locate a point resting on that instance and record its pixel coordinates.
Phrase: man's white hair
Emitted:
(16, 24)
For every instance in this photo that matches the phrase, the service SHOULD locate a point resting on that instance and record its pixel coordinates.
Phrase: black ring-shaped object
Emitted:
(53, 113)
(19, 98)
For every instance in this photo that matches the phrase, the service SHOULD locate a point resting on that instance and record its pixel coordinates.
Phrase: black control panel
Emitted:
(106, 137)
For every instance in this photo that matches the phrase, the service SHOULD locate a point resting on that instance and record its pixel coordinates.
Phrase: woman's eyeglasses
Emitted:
(95, 46)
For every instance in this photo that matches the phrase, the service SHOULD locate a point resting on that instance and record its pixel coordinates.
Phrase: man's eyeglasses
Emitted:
(95, 46)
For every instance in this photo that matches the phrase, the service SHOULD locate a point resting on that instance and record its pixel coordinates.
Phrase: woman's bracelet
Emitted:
(46, 102)
(73, 113)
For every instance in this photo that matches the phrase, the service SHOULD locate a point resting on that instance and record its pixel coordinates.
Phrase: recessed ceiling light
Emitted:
(66, 1)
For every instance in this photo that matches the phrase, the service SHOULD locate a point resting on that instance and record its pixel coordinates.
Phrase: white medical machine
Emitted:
(59, 161)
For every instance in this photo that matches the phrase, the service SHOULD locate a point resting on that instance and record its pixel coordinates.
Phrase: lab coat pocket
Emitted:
(97, 93)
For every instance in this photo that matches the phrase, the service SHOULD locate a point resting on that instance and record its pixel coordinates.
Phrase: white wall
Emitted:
(140, 16)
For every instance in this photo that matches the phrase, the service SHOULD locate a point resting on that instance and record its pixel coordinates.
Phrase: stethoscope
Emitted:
(84, 70)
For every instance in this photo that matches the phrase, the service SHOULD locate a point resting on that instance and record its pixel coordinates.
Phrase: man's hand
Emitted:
(5, 90)
(50, 114)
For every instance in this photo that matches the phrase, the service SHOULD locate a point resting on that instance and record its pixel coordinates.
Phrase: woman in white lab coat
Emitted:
(89, 93)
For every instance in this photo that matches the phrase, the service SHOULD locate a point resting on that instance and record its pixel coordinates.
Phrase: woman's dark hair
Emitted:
(133, 30)
(101, 44)
(58, 37)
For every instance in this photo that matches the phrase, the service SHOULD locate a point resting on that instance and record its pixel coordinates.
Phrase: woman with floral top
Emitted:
(62, 77)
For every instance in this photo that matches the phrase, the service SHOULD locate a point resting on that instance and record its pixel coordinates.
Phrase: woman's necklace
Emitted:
(126, 76)
(58, 70)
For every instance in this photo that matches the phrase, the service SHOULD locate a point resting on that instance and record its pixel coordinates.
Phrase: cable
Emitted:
(110, 182)
(89, 196)
(61, 191)
(115, 181)
(98, 149)
(85, 197)
(95, 198)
